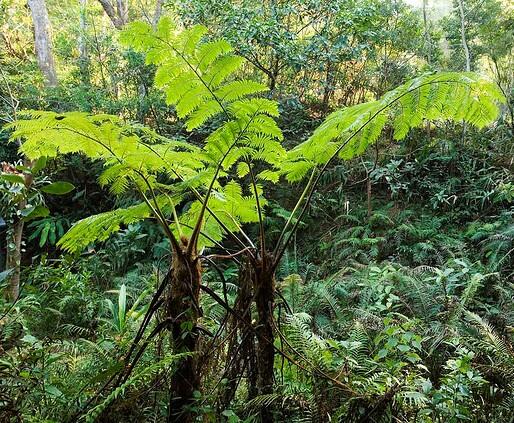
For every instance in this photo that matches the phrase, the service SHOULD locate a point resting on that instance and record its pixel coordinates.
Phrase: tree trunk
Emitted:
(158, 13)
(13, 259)
(118, 15)
(264, 288)
(183, 311)
(241, 348)
(428, 40)
(463, 35)
(82, 44)
(14, 240)
(466, 52)
(328, 88)
(369, 196)
(122, 8)
(42, 41)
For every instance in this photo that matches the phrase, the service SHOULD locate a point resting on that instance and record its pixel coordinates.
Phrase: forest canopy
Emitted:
(240, 211)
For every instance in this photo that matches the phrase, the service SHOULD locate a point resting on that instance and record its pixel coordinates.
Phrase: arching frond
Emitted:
(442, 96)
(127, 155)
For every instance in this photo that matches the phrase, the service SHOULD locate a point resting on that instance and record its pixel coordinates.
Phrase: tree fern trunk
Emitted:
(241, 348)
(183, 311)
(264, 288)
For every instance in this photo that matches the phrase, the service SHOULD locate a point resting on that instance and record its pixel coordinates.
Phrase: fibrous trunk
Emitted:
(241, 348)
(183, 311)
(264, 287)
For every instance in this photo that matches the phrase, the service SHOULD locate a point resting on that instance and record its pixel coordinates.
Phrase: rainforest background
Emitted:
(288, 211)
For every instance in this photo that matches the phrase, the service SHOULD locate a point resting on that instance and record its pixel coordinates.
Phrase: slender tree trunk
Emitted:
(158, 12)
(328, 88)
(428, 41)
(13, 258)
(82, 44)
(264, 288)
(42, 41)
(504, 87)
(183, 311)
(122, 8)
(463, 35)
(369, 195)
(118, 15)
(14, 242)
(466, 52)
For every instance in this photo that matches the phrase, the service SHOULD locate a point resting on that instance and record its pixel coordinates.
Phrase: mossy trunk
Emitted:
(183, 311)
(264, 288)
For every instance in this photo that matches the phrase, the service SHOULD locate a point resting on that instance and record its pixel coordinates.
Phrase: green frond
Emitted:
(230, 205)
(101, 226)
(127, 156)
(196, 75)
(442, 96)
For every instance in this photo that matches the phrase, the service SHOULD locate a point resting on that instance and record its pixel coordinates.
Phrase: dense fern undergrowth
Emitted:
(214, 240)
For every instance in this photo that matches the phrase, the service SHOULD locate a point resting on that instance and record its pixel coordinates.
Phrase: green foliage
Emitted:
(198, 79)
(393, 301)
(136, 155)
(120, 316)
(441, 96)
